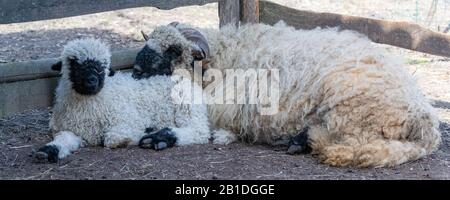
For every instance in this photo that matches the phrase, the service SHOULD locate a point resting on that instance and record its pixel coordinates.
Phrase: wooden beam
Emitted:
(400, 34)
(27, 70)
(249, 11)
(40, 69)
(17, 97)
(31, 84)
(229, 12)
(14, 11)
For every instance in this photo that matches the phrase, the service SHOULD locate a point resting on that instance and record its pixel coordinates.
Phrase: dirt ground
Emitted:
(20, 134)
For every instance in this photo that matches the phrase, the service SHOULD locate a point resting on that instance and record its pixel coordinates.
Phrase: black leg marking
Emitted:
(47, 153)
(164, 138)
(150, 129)
(299, 143)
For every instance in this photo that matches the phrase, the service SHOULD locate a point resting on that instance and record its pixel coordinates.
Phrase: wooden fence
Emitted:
(30, 84)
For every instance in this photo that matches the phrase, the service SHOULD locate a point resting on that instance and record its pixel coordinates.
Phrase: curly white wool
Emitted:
(362, 107)
(118, 115)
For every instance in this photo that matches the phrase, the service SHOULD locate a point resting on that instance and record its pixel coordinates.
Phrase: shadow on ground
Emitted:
(20, 134)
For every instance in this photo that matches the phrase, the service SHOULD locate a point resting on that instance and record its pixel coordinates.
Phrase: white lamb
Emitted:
(94, 109)
(348, 99)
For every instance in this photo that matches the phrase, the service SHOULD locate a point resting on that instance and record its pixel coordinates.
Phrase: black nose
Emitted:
(92, 81)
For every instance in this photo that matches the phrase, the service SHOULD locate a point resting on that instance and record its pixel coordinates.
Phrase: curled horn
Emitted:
(144, 35)
(201, 49)
(174, 24)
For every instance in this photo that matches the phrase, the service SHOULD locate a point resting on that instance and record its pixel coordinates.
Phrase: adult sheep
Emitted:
(93, 109)
(348, 99)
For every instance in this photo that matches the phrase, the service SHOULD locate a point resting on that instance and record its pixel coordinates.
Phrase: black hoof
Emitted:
(299, 144)
(48, 153)
(160, 140)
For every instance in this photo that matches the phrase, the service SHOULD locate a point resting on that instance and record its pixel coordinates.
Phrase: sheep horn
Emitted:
(145, 35)
(174, 24)
(202, 52)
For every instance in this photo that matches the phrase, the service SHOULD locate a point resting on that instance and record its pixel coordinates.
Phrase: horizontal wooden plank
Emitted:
(38, 69)
(27, 70)
(400, 34)
(17, 97)
(14, 11)
(31, 84)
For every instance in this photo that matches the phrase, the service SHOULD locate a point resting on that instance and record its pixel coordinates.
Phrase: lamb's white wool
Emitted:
(66, 142)
(118, 115)
(363, 108)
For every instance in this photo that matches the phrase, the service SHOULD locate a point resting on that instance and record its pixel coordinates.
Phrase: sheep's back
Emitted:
(307, 60)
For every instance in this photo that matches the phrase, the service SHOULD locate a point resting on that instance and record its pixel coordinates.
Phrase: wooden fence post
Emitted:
(249, 11)
(229, 12)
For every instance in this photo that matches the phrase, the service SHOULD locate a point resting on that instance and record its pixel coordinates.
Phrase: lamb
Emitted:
(340, 96)
(93, 109)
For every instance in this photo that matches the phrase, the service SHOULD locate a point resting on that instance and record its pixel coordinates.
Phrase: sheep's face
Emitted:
(151, 61)
(88, 76)
(169, 48)
(84, 64)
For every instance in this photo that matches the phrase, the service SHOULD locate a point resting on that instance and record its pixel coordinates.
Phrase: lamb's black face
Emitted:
(88, 77)
(151, 63)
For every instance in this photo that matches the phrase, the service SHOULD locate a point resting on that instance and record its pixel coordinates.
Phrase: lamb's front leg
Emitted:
(299, 143)
(171, 136)
(192, 127)
(158, 140)
(63, 144)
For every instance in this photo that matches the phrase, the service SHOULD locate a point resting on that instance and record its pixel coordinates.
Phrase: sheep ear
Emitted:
(57, 66)
(145, 36)
(112, 72)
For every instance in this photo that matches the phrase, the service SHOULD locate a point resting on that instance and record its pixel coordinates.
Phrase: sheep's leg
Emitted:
(376, 153)
(383, 152)
(64, 143)
(171, 136)
(329, 149)
(164, 138)
(337, 155)
(122, 136)
(348, 150)
(368, 149)
(299, 143)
